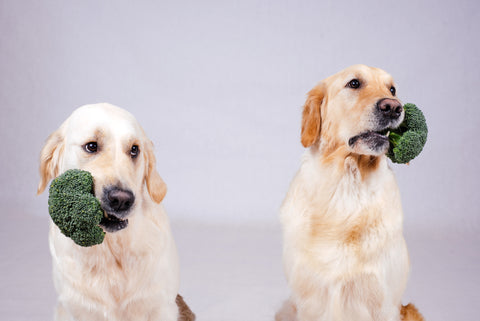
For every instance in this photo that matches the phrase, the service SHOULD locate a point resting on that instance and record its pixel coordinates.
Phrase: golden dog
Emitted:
(344, 253)
(133, 274)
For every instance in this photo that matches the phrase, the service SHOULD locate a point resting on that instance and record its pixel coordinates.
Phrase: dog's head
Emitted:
(353, 109)
(108, 142)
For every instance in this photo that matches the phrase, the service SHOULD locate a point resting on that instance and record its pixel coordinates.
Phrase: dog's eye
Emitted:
(393, 90)
(134, 151)
(354, 83)
(91, 147)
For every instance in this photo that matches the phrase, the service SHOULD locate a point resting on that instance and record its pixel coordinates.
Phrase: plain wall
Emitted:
(218, 86)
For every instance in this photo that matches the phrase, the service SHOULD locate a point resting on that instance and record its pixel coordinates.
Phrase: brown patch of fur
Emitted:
(352, 232)
(358, 165)
(367, 164)
(336, 153)
(184, 312)
(354, 235)
(368, 221)
(311, 116)
(410, 313)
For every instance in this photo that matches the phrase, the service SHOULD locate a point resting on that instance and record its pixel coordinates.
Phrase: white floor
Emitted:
(234, 273)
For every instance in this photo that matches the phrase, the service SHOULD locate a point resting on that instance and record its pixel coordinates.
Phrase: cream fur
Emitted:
(134, 273)
(344, 254)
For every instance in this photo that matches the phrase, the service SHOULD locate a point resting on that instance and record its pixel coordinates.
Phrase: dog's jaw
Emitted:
(374, 140)
(110, 223)
(369, 143)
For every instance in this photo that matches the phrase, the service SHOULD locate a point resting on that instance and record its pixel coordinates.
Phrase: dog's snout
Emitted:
(390, 108)
(120, 200)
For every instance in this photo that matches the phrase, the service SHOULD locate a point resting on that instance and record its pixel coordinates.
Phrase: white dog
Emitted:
(344, 253)
(134, 273)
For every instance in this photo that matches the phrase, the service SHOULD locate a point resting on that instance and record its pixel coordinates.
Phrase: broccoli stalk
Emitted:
(407, 141)
(74, 208)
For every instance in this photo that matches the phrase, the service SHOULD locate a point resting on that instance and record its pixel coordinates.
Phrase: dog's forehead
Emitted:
(90, 118)
(366, 73)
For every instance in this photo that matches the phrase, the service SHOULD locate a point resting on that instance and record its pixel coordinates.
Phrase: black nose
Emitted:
(390, 108)
(120, 200)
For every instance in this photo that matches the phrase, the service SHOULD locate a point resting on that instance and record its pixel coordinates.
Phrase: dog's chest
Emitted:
(344, 216)
(121, 274)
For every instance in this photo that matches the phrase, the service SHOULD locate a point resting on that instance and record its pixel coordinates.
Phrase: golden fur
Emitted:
(133, 274)
(344, 253)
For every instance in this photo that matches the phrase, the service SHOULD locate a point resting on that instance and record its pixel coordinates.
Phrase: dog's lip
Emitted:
(380, 134)
(112, 223)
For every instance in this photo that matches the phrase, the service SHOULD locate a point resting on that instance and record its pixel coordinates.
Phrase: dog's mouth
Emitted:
(375, 141)
(112, 223)
(116, 203)
(381, 135)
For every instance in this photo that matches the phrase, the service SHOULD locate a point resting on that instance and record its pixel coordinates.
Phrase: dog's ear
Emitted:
(311, 116)
(155, 185)
(50, 158)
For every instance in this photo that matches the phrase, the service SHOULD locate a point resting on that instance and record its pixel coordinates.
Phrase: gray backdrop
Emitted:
(218, 86)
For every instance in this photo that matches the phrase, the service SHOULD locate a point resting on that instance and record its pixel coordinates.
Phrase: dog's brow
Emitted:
(99, 134)
(358, 76)
(130, 142)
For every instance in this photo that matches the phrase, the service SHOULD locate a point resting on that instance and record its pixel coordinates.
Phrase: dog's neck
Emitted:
(341, 182)
(343, 160)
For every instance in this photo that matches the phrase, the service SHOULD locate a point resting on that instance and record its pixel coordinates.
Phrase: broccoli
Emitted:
(407, 141)
(74, 208)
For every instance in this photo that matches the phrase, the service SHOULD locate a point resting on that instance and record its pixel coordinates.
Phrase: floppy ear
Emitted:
(155, 185)
(50, 158)
(311, 116)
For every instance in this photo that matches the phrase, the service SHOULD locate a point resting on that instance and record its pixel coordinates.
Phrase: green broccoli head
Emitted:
(74, 208)
(407, 141)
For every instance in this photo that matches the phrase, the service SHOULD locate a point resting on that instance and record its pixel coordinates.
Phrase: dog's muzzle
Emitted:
(388, 114)
(116, 203)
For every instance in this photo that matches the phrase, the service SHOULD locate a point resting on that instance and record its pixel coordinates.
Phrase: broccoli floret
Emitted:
(407, 141)
(74, 208)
